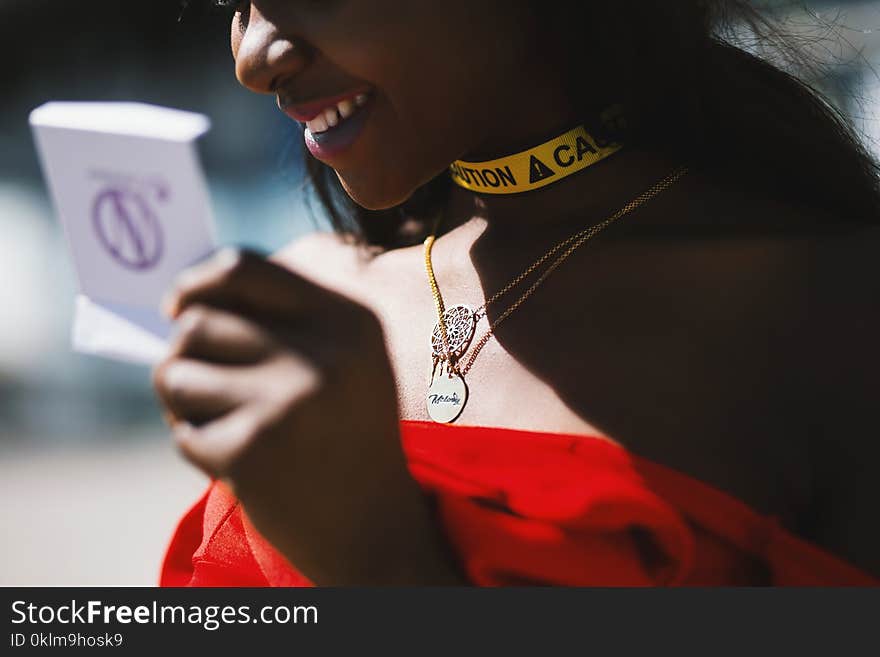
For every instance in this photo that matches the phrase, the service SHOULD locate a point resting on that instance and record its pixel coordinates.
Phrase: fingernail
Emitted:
(169, 305)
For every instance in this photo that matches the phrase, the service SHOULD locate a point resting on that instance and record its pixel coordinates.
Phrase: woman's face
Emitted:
(411, 85)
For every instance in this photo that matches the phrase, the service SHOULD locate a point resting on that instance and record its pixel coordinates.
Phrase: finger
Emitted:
(206, 333)
(217, 446)
(196, 392)
(244, 281)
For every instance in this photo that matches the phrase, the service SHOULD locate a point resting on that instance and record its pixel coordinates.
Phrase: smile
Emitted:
(331, 124)
(331, 116)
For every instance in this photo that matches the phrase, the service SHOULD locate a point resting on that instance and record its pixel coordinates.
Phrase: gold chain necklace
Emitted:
(455, 328)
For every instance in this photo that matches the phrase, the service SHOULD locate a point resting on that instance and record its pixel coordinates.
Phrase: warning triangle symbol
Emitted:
(538, 170)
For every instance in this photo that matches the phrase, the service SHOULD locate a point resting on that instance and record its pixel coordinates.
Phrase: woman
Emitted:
(684, 400)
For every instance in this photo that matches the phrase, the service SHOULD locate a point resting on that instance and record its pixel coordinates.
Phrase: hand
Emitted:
(283, 389)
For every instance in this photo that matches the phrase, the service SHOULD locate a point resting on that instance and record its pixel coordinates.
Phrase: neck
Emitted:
(573, 203)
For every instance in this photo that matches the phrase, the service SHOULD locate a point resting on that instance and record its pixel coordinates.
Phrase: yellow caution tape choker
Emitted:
(536, 167)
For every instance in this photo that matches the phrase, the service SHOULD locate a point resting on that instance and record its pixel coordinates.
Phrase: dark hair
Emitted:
(688, 91)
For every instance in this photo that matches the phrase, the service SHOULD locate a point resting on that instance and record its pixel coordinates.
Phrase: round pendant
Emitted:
(446, 397)
(460, 327)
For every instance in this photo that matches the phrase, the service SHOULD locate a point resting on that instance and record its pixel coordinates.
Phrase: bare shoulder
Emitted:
(327, 258)
(317, 251)
(805, 290)
(772, 247)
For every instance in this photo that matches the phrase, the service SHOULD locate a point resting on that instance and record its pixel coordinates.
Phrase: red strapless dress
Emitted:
(525, 507)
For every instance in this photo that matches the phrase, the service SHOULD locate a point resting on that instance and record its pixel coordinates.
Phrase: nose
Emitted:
(263, 54)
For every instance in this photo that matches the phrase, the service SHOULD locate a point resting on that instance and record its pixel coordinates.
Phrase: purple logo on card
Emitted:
(127, 226)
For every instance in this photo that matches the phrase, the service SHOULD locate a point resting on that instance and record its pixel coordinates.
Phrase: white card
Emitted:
(129, 190)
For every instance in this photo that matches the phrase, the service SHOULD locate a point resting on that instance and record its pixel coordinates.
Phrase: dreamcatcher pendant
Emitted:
(448, 392)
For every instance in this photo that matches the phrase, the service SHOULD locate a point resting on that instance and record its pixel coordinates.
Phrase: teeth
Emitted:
(331, 116)
(317, 124)
(346, 108)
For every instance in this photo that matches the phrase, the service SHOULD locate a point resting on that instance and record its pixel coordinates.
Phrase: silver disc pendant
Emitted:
(460, 327)
(446, 397)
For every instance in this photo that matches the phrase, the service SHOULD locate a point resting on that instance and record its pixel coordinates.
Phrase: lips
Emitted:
(333, 115)
(332, 123)
(305, 111)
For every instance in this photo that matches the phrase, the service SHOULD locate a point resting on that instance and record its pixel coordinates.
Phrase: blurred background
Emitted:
(85, 462)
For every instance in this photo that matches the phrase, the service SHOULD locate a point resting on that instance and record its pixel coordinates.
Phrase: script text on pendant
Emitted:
(446, 397)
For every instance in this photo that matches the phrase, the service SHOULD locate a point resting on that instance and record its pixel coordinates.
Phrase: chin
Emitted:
(372, 195)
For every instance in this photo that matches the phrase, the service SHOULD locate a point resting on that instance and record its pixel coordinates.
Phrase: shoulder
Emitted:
(805, 290)
(327, 258)
(316, 250)
(337, 262)
(817, 262)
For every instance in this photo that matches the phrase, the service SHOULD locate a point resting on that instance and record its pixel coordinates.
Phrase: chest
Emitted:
(687, 371)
